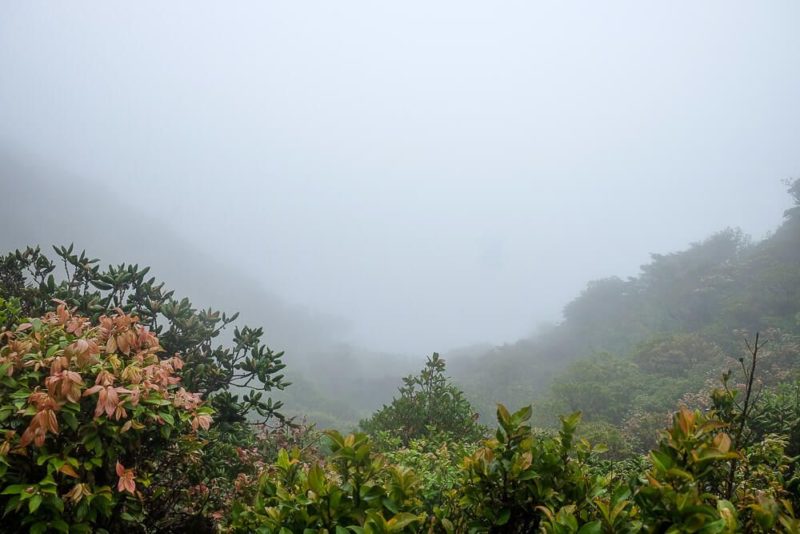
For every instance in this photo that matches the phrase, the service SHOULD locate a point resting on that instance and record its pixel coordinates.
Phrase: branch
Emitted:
(750, 376)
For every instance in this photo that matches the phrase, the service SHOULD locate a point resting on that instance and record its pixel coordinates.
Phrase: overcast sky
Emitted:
(437, 173)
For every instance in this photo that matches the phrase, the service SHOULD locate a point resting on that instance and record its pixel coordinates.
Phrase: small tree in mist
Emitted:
(428, 404)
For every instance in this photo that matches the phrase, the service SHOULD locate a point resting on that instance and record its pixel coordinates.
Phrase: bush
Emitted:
(436, 462)
(216, 372)
(94, 422)
(428, 404)
(517, 483)
(354, 491)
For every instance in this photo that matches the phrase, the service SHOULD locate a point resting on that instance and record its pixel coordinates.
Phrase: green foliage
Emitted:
(436, 462)
(602, 386)
(517, 483)
(428, 404)
(673, 321)
(711, 473)
(354, 491)
(10, 312)
(677, 355)
(214, 371)
(616, 441)
(778, 413)
(688, 471)
(522, 480)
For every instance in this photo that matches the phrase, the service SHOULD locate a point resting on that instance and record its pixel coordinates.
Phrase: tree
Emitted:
(428, 403)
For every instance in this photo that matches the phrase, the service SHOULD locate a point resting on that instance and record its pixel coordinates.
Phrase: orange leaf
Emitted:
(69, 471)
(722, 442)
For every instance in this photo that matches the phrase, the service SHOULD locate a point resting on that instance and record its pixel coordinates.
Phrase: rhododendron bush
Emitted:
(92, 417)
(235, 378)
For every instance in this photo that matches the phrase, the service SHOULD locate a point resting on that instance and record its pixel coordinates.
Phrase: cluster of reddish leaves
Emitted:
(119, 354)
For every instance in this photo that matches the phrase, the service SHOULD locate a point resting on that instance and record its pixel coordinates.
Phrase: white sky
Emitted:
(436, 173)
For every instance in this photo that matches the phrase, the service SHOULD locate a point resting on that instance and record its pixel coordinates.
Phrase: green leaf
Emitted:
(60, 525)
(70, 419)
(401, 521)
(316, 479)
(12, 504)
(503, 417)
(505, 515)
(15, 489)
(595, 527)
(523, 414)
(390, 505)
(34, 503)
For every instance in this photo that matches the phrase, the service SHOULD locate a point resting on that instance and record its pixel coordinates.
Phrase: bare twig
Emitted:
(749, 377)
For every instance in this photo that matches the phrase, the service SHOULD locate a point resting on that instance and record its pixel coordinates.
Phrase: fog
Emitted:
(402, 176)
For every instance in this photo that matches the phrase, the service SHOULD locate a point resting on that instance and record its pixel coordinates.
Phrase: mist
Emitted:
(415, 176)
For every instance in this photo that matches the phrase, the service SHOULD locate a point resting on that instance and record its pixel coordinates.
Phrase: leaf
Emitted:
(722, 442)
(661, 460)
(594, 527)
(570, 422)
(401, 521)
(69, 471)
(505, 515)
(523, 414)
(34, 503)
(12, 504)
(503, 417)
(316, 479)
(70, 419)
(685, 420)
(60, 525)
(15, 489)
(390, 505)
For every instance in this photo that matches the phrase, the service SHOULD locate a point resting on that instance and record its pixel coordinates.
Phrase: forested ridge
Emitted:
(666, 402)
(642, 343)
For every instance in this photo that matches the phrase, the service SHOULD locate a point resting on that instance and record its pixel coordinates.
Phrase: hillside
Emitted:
(676, 320)
(45, 206)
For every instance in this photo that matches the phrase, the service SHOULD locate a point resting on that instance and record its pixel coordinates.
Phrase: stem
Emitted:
(749, 376)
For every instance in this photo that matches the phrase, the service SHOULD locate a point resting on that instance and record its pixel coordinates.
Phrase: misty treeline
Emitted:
(667, 402)
(627, 350)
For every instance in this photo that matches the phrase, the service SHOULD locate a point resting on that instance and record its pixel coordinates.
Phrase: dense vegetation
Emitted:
(628, 351)
(124, 409)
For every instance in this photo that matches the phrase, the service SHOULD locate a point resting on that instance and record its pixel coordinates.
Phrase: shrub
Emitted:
(518, 483)
(436, 462)
(218, 373)
(94, 421)
(354, 491)
(428, 404)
